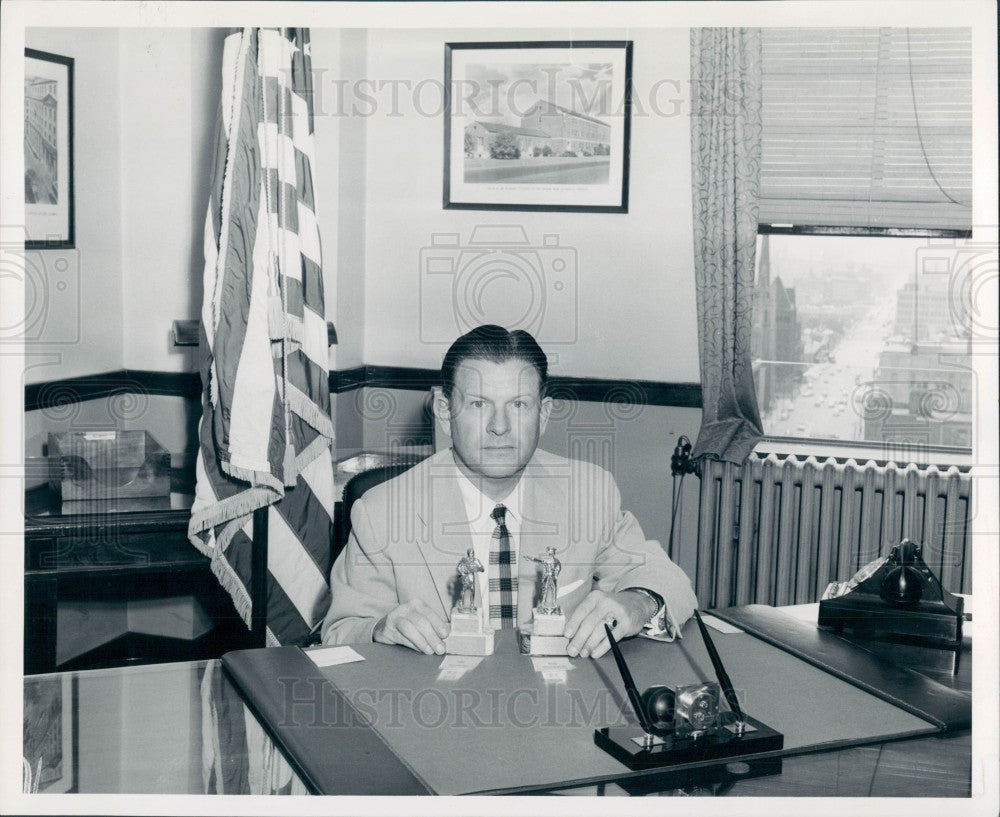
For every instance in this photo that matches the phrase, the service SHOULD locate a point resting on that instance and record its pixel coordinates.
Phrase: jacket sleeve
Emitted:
(362, 584)
(627, 559)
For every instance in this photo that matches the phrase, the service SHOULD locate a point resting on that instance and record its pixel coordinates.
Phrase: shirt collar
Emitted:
(480, 506)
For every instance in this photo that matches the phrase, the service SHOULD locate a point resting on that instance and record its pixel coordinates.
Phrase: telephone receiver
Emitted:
(904, 581)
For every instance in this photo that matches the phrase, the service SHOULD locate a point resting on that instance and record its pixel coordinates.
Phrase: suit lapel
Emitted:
(446, 527)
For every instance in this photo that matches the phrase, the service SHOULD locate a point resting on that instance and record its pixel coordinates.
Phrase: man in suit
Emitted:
(396, 580)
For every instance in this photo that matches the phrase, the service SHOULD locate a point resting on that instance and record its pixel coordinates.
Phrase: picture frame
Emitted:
(52, 730)
(48, 151)
(537, 126)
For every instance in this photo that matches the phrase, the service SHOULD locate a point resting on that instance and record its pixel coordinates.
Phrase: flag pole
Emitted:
(258, 580)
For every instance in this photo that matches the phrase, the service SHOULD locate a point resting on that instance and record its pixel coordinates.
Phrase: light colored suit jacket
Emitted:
(408, 534)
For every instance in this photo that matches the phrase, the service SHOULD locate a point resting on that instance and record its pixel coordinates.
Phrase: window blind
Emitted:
(867, 128)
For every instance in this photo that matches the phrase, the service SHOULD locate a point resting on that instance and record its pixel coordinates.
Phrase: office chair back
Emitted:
(355, 488)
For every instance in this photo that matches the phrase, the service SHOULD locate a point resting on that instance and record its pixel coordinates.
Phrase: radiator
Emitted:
(778, 530)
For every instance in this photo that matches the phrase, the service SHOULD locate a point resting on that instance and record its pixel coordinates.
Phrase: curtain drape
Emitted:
(725, 170)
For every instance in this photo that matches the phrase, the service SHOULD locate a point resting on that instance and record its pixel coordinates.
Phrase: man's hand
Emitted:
(625, 612)
(414, 625)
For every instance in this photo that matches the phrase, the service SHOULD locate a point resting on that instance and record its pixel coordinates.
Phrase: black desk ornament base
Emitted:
(686, 724)
(640, 750)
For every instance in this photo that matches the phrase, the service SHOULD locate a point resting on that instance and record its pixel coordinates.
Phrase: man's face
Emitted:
(497, 414)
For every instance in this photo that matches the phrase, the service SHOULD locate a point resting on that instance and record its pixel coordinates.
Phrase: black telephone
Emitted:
(897, 599)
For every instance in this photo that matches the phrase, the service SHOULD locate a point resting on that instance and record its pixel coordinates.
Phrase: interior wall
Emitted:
(635, 310)
(170, 87)
(66, 290)
(630, 267)
(339, 58)
(145, 109)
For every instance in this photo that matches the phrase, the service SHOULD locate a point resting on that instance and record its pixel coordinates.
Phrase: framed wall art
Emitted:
(537, 126)
(48, 150)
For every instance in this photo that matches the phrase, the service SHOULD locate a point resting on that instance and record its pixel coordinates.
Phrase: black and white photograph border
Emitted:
(469, 20)
(537, 126)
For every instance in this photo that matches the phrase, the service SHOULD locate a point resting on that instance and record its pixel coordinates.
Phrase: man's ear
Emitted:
(545, 409)
(440, 405)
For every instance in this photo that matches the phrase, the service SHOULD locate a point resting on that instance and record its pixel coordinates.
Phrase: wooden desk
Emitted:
(139, 730)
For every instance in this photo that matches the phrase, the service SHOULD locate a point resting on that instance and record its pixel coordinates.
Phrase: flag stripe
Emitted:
(303, 173)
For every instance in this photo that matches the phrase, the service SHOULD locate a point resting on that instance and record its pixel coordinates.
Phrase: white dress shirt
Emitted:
(478, 508)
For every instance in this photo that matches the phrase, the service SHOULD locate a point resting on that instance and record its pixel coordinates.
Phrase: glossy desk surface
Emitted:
(156, 729)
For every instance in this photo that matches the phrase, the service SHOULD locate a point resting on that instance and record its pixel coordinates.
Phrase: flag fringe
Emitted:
(258, 475)
(301, 405)
(231, 583)
(276, 320)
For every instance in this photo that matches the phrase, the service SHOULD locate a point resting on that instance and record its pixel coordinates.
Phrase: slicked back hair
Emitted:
(497, 345)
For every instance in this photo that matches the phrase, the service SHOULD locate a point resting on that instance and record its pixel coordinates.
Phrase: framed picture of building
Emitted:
(48, 150)
(537, 126)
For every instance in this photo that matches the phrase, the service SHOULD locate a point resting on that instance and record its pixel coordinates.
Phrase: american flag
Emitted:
(266, 431)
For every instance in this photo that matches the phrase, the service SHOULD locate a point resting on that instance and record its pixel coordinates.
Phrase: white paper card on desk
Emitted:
(551, 663)
(331, 656)
(454, 667)
(720, 625)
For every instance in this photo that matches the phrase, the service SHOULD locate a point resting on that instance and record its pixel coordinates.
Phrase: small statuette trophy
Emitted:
(467, 634)
(545, 634)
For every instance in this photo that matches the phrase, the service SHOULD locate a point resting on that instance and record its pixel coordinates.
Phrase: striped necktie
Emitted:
(503, 579)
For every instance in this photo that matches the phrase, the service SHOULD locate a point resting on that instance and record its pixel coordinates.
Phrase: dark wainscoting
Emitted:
(70, 390)
(54, 393)
(588, 389)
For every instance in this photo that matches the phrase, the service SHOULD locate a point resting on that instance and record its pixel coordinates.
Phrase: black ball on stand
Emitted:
(659, 704)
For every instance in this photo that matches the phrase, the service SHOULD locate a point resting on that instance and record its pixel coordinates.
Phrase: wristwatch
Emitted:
(654, 599)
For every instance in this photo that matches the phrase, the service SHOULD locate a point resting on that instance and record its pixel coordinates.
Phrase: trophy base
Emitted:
(547, 623)
(469, 643)
(638, 750)
(530, 643)
(467, 623)
(467, 636)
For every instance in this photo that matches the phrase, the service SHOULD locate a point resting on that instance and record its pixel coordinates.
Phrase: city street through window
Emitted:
(861, 339)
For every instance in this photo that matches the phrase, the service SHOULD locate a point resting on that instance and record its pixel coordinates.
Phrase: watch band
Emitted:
(658, 603)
